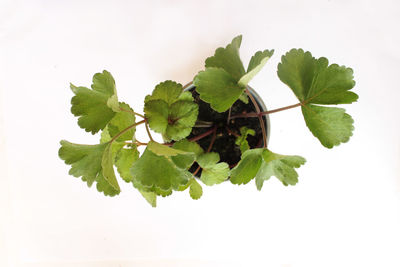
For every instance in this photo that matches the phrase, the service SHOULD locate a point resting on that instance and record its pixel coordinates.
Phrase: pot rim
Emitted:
(257, 97)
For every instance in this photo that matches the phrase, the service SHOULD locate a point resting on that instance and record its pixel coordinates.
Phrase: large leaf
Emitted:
(330, 125)
(218, 87)
(154, 172)
(224, 79)
(92, 163)
(228, 59)
(314, 81)
(96, 107)
(247, 167)
(261, 163)
(280, 166)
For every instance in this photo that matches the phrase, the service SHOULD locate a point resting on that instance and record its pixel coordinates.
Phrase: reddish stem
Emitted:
(260, 117)
(254, 114)
(214, 131)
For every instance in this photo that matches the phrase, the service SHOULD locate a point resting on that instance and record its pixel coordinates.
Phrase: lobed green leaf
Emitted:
(314, 81)
(96, 107)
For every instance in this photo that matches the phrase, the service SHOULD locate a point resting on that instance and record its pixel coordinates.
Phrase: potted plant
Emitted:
(214, 130)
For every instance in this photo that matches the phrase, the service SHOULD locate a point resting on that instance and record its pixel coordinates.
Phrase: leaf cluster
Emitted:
(172, 112)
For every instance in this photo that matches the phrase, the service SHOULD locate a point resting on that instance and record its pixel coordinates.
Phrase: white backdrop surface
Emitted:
(345, 211)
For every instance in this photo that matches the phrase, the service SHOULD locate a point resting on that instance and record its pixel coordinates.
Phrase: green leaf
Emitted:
(244, 98)
(212, 172)
(154, 172)
(241, 141)
(195, 191)
(186, 95)
(124, 161)
(228, 59)
(104, 186)
(168, 91)
(218, 88)
(95, 108)
(150, 197)
(87, 162)
(156, 112)
(104, 82)
(185, 161)
(247, 167)
(107, 166)
(163, 150)
(314, 81)
(170, 111)
(181, 118)
(105, 136)
(256, 63)
(280, 166)
(330, 125)
(121, 121)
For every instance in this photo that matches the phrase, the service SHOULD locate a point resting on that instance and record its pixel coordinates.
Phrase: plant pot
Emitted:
(226, 133)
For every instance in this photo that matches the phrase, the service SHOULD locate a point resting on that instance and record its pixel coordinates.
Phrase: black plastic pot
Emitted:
(224, 143)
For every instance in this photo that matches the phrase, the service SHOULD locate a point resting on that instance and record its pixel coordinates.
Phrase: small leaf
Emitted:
(195, 191)
(95, 108)
(212, 172)
(170, 111)
(244, 98)
(121, 121)
(185, 161)
(105, 136)
(228, 59)
(181, 118)
(247, 167)
(330, 125)
(218, 88)
(107, 166)
(150, 197)
(280, 166)
(256, 63)
(241, 141)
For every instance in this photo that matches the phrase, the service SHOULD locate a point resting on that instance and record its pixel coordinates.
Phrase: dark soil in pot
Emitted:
(225, 135)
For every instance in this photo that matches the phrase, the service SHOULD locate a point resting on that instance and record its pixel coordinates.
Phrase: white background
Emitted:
(345, 211)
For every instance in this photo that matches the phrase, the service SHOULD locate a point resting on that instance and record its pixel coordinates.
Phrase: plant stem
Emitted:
(201, 136)
(148, 130)
(214, 131)
(260, 118)
(132, 112)
(126, 129)
(212, 139)
(254, 114)
(229, 116)
(231, 132)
